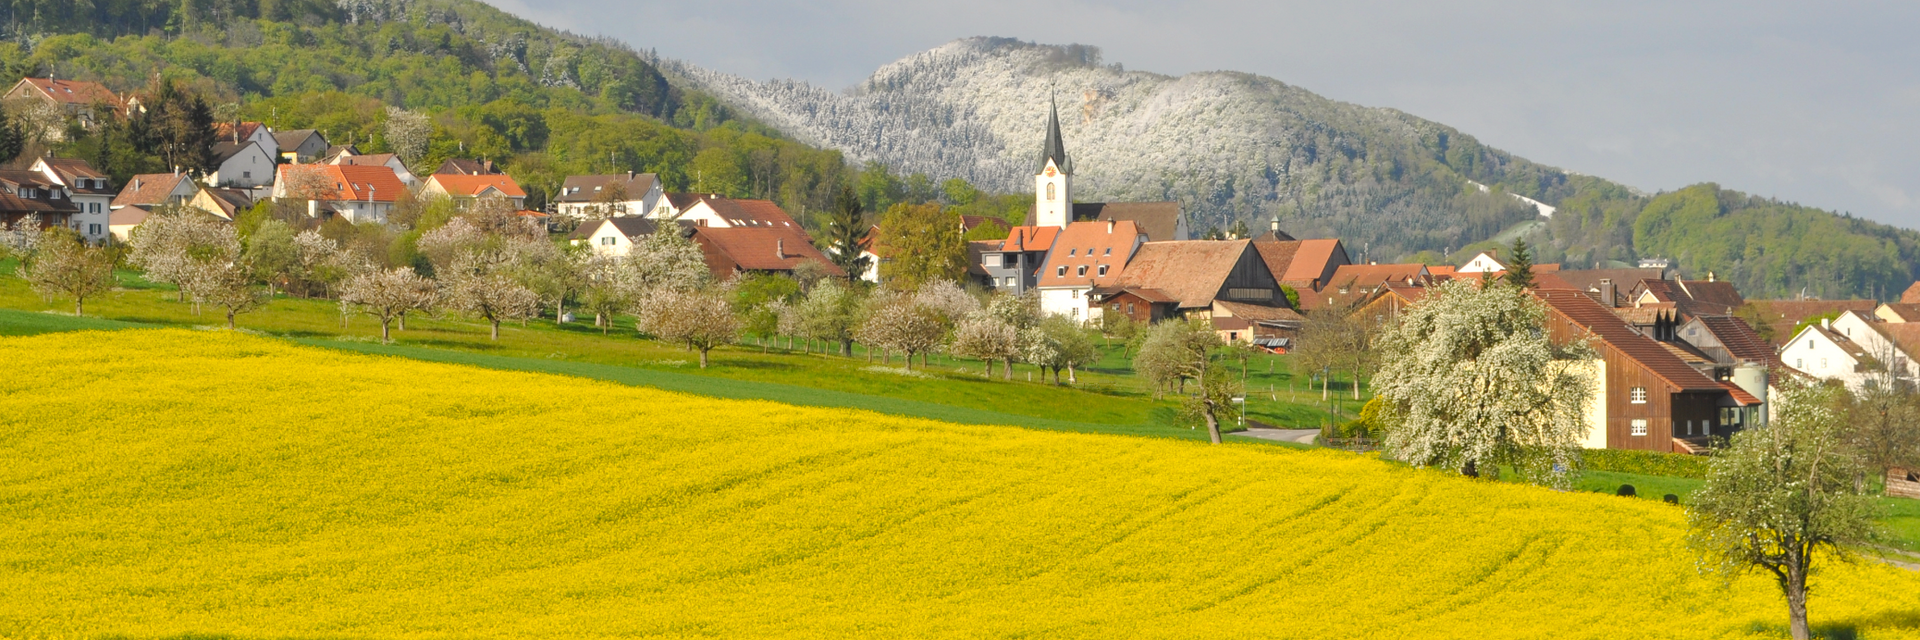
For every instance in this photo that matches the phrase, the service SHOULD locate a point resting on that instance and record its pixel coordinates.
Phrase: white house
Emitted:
(707, 210)
(359, 194)
(242, 165)
(388, 160)
(1482, 263)
(1084, 256)
(149, 190)
(90, 190)
(613, 237)
(600, 196)
(257, 133)
(1823, 352)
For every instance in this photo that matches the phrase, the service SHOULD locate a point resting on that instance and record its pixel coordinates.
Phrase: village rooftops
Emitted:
(149, 189)
(1314, 262)
(1601, 323)
(465, 167)
(341, 182)
(1089, 254)
(742, 212)
(79, 176)
(464, 186)
(1193, 272)
(580, 189)
(1739, 340)
(1373, 276)
(1160, 221)
(73, 92)
(1030, 238)
(1783, 315)
(731, 250)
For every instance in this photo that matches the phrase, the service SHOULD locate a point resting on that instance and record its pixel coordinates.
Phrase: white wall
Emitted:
(1065, 301)
(1816, 355)
(94, 211)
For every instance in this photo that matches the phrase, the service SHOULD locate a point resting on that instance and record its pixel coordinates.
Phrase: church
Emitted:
(1067, 248)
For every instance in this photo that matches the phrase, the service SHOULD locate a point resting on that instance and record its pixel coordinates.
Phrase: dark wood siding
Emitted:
(1250, 272)
(1132, 306)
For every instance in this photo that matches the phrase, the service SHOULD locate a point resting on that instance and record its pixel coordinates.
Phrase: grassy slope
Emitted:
(411, 499)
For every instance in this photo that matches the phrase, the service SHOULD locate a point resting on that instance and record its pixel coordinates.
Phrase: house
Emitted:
(600, 196)
(92, 194)
(1085, 255)
(615, 236)
(1384, 303)
(1820, 351)
(1186, 279)
(300, 146)
(255, 132)
(1609, 287)
(1891, 344)
(226, 203)
(1053, 197)
(709, 210)
(25, 194)
(1265, 326)
(1783, 316)
(1363, 279)
(72, 97)
(1645, 396)
(1306, 266)
(465, 189)
(976, 262)
(359, 194)
(1014, 264)
(123, 221)
(151, 190)
(242, 165)
(1483, 262)
(388, 160)
(464, 167)
(1897, 312)
(741, 250)
(1729, 342)
(1274, 234)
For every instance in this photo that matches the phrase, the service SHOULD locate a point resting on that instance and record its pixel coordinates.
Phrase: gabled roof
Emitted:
(1783, 315)
(1740, 340)
(1601, 323)
(1905, 336)
(684, 201)
(474, 186)
(1848, 345)
(13, 203)
(1905, 311)
(365, 159)
(730, 249)
(70, 169)
(127, 215)
(1711, 296)
(629, 226)
(1623, 281)
(589, 188)
(73, 92)
(229, 201)
(1191, 271)
(752, 213)
(1030, 238)
(1090, 245)
(1912, 294)
(1278, 254)
(1310, 260)
(1159, 220)
(349, 182)
(1375, 275)
(291, 139)
(465, 167)
(149, 189)
(242, 130)
(224, 151)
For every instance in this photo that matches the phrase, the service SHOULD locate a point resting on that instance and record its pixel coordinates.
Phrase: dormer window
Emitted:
(1109, 252)
(1060, 272)
(1081, 271)
(1103, 269)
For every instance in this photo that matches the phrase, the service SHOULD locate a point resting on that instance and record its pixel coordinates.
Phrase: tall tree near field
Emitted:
(700, 318)
(606, 289)
(482, 285)
(62, 265)
(922, 244)
(1782, 494)
(1520, 266)
(407, 133)
(387, 295)
(1175, 352)
(273, 254)
(1060, 343)
(983, 336)
(830, 313)
(177, 126)
(846, 228)
(1472, 381)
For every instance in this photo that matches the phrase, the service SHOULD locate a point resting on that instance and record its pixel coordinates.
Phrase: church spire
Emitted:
(1055, 148)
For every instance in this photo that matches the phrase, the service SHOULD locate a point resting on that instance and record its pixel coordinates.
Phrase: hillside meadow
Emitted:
(157, 483)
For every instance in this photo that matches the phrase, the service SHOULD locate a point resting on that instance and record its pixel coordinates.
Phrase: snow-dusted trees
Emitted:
(1175, 352)
(1472, 381)
(387, 295)
(1782, 493)
(700, 318)
(62, 265)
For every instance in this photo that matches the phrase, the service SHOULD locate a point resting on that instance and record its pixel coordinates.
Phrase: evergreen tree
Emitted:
(13, 137)
(1520, 268)
(846, 227)
(178, 127)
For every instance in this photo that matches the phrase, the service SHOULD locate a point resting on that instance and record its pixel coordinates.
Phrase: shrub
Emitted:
(1647, 463)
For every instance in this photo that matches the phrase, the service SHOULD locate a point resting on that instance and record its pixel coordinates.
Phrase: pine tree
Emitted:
(846, 227)
(1520, 269)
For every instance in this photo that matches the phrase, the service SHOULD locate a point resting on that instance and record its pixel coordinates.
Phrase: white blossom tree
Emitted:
(1021, 312)
(700, 318)
(1780, 495)
(898, 322)
(1471, 381)
(388, 295)
(168, 245)
(606, 289)
(221, 276)
(1059, 343)
(831, 313)
(982, 336)
(20, 238)
(407, 133)
(482, 285)
(62, 265)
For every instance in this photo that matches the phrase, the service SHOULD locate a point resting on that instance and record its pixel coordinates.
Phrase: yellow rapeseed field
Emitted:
(158, 483)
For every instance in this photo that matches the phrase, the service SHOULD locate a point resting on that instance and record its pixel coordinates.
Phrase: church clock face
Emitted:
(1050, 172)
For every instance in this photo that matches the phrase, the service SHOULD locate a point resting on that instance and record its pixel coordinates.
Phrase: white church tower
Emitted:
(1053, 183)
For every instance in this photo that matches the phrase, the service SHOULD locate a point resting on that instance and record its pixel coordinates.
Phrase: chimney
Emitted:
(1109, 225)
(779, 248)
(1710, 277)
(1826, 323)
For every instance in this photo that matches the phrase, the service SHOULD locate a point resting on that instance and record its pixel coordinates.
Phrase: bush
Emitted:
(1368, 425)
(1645, 463)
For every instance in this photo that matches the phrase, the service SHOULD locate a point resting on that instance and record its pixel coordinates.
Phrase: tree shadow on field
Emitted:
(1847, 629)
(761, 365)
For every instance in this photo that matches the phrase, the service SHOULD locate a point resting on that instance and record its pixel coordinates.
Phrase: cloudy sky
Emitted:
(1817, 103)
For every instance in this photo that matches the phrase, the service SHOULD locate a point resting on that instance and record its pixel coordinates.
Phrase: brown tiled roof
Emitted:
(1740, 395)
(1904, 335)
(754, 213)
(1375, 275)
(70, 168)
(631, 226)
(1159, 220)
(1622, 280)
(469, 186)
(228, 130)
(1706, 294)
(1155, 296)
(1259, 313)
(75, 92)
(1642, 315)
(587, 188)
(728, 249)
(1740, 340)
(1782, 315)
(127, 215)
(1310, 260)
(1090, 245)
(1600, 321)
(230, 201)
(1191, 271)
(1278, 255)
(350, 182)
(290, 140)
(148, 189)
(1912, 294)
(1662, 290)
(1905, 311)
(365, 159)
(465, 167)
(684, 201)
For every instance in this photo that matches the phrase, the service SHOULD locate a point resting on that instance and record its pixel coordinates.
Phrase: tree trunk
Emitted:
(846, 348)
(1795, 584)
(403, 320)
(909, 361)
(1356, 384)
(496, 330)
(1472, 470)
(1070, 377)
(703, 357)
(1006, 368)
(229, 318)
(1213, 424)
(385, 338)
(989, 372)
(79, 306)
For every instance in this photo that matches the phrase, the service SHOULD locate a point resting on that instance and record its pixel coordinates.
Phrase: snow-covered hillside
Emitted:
(1228, 146)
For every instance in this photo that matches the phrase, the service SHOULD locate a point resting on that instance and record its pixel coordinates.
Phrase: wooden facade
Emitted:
(1138, 308)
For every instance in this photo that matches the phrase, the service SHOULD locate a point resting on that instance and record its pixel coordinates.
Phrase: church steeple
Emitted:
(1055, 148)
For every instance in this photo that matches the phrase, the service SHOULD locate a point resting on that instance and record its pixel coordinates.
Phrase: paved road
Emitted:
(1302, 436)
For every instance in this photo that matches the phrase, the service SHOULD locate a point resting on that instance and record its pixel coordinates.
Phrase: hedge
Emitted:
(1645, 462)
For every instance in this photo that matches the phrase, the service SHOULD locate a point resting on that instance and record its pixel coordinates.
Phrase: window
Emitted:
(1070, 252)
(1823, 363)
(1799, 363)
(1250, 294)
(1009, 281)
(246, 174)
(1809, 343)
(1080, 271)
(1638, 395)
(93, 229)
(1076, 312)
(1103, 269)
(1109, 252)
(1049, 192)
(606, 240)
(1129, 308)
(1060, 272)
(1639, 426)
(94, 208)
(1008, 260)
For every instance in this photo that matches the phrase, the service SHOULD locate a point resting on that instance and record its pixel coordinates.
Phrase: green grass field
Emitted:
(348, 496)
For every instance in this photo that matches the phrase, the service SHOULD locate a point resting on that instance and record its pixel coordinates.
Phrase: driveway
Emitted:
(1302, 436)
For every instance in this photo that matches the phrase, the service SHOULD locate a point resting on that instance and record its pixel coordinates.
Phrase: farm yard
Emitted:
(146, 499)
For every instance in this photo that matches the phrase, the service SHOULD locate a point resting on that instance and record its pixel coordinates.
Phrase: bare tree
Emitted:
(387, 295)
(63, 265)
(700, 318)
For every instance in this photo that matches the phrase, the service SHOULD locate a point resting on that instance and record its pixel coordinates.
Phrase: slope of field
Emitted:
(166, 482)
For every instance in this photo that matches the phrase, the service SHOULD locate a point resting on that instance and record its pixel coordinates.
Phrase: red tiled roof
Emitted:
(1375, 275)
(1706, 293)
(1783, 315)
(148, 189)
(1601, 323)
(350, 182)
(1191, 271)
(1312, 259)
(752, 213)
(1904, 335)
(469, 185)
(74, 92)
(1905, 311)
(1912, 294)
(1740, 340)
(1740, 396)
(728, 249)
(1278, 254)
(1088, 246)
(587, 188)
(1030, 239)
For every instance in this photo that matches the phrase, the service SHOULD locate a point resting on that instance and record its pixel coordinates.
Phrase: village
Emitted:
(1686, 361)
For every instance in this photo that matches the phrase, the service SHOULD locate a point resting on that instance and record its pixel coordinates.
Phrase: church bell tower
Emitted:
(1053, 180)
